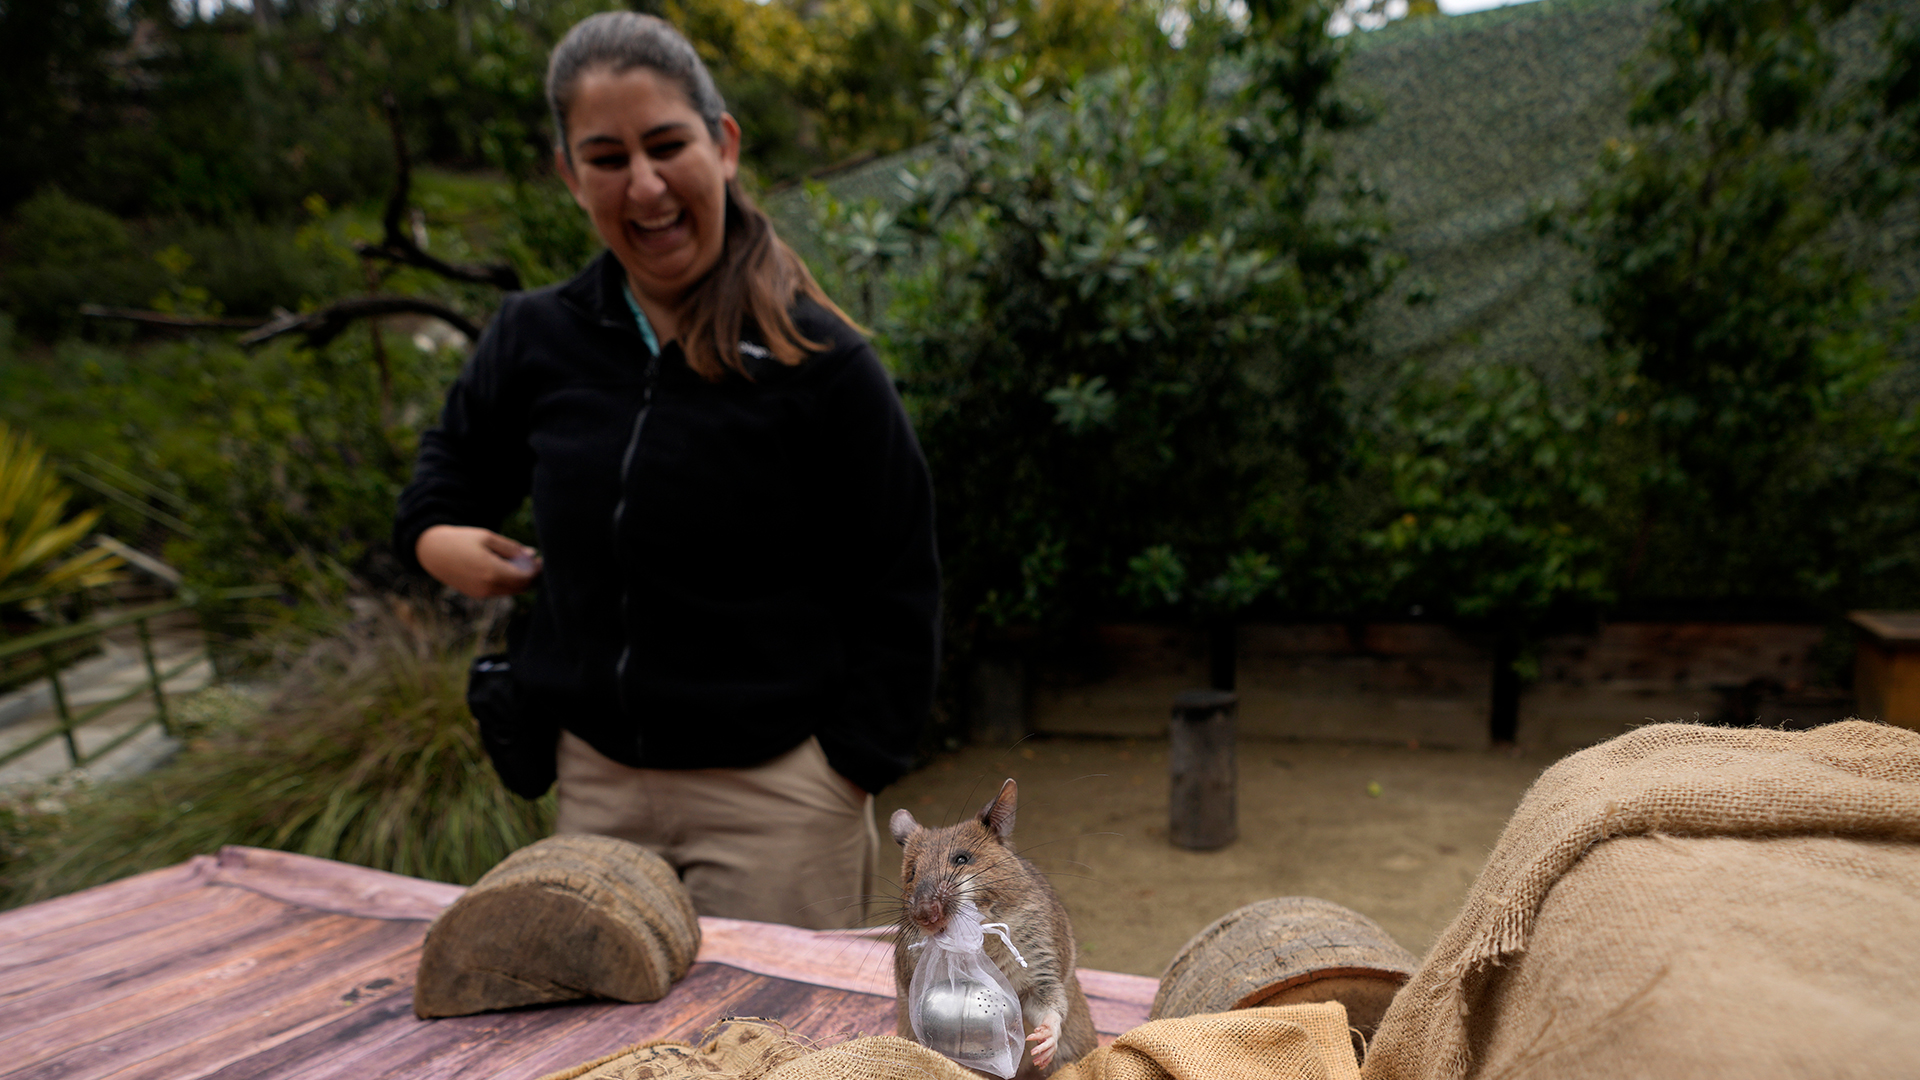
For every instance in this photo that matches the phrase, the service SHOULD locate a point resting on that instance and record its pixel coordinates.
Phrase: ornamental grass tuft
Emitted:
(363, 752)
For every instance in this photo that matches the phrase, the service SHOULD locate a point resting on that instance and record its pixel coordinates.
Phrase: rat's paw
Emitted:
(1045, 1039)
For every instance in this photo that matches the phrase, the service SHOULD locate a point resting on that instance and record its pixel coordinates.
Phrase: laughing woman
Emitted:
(734, 633)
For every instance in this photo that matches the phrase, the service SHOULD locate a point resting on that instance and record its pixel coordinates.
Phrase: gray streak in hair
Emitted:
(618, 41)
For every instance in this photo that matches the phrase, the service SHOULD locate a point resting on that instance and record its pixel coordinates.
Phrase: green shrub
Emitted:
(63, 253)
(1116, 310)
(545, 235)
(291, 459)
(365, 753)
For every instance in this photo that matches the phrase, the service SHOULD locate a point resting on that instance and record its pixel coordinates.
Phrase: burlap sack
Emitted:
(1287, 1042)
(1692, 902)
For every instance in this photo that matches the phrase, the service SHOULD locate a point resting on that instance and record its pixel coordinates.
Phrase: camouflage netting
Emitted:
(1483, 119)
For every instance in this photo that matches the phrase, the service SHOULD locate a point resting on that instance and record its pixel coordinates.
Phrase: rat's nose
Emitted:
(928, 913)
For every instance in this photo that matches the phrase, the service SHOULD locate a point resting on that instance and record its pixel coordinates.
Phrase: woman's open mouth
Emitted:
(661, 223)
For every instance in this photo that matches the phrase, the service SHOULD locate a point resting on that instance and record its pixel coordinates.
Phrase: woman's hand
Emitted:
(477, 562)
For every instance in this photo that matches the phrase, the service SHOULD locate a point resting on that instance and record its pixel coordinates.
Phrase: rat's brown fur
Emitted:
(1005, 888)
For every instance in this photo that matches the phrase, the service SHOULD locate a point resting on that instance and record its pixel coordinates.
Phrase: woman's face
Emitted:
(651, 178)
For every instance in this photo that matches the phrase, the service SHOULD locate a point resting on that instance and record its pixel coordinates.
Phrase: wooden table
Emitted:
(255, 963)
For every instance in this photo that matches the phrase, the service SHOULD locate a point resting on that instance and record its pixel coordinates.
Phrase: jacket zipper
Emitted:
(619, 513)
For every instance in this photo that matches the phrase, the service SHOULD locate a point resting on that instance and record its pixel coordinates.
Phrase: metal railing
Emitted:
(47, 641)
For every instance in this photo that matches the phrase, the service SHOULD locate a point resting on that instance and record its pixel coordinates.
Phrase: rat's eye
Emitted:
(961, 858)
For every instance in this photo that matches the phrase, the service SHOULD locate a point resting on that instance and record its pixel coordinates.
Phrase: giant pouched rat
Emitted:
(974, 861)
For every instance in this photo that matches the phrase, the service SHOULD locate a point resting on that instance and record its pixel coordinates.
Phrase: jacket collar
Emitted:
(595, 293)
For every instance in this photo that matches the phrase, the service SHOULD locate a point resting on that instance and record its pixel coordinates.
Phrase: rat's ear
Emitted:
(902, 825)
(998, 814)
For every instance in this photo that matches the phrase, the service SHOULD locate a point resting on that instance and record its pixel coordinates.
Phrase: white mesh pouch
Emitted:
(961, 1002)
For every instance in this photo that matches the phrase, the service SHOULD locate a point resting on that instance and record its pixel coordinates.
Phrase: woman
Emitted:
(738, 594)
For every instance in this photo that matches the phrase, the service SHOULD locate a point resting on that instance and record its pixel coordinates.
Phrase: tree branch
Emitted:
(324, 324)
(168, 319)
(398, 246)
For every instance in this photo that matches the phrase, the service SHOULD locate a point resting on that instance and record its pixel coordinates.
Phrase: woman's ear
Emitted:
(729, 145)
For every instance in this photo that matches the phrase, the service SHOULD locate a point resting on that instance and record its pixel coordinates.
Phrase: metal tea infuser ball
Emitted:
(964, 1018)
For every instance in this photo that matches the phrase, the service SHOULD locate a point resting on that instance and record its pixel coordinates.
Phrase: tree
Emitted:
(1500, 500)
(1115, 309)
(1730, 305)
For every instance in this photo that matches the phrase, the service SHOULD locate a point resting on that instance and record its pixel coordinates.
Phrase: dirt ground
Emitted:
(1396, 834)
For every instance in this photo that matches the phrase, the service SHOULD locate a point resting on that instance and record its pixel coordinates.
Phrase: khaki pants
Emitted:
(789, 841)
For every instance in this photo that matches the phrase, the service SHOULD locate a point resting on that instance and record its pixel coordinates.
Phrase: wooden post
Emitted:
(153, 678)
(1886, 667)
(1200, 765)
(999, 707)
(60, 704)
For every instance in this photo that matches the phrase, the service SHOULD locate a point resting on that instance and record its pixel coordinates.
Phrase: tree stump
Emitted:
(1287, 951)
(1201, 804)
(567, 917)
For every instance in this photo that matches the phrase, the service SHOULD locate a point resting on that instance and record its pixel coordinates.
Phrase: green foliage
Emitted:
(365, 754)
(37, 537)
(65, 253)
(62, 253)
(545, 236)
(1116, 315)
(291, 459)
(1501, 498)
(1735, 313)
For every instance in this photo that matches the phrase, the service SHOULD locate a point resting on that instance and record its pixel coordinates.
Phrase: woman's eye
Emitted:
(962, 859)
(665, 150)
(608, 161)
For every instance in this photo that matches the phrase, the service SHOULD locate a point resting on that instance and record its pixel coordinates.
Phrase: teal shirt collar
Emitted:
(640, 318)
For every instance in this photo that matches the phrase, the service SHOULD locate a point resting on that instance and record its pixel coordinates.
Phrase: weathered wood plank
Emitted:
(95, 978)
(857, 961)
(825, 1015)
(821, 1013)
(149, 926)
(331, 886)
(1113, 1017)
(213, 1039)
(263, 991)
(196, 972)
(471, 1046)
(331, 1049)
(602, 1034)
(353, 1048)
(99, 902)
(1119, 1003)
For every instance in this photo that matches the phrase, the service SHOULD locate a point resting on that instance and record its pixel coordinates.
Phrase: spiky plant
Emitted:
(365, 753)
(36, 539)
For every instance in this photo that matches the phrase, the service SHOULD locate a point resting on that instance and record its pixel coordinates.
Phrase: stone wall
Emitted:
(1431, 684)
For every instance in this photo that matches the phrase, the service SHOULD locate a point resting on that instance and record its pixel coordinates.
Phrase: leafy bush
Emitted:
(545, 236)
(1502, 499)
(63, 253)
(1115, 313)
(1737, 318)
(291, 459)
(365, 753)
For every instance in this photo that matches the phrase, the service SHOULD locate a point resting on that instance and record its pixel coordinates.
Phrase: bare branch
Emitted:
(324, 324)
(398, 245)
(168, 319)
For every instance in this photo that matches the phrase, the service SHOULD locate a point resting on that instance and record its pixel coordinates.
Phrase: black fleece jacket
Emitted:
(728, 567)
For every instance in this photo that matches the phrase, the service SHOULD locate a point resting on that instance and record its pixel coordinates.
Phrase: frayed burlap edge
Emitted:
(1853, 778)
